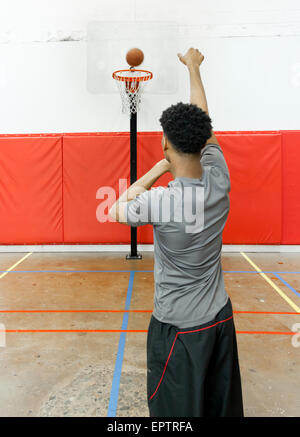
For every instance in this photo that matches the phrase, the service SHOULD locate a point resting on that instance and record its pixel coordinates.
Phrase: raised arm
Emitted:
(193, 59)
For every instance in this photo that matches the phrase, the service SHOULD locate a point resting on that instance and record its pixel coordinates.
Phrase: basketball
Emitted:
(134, 57)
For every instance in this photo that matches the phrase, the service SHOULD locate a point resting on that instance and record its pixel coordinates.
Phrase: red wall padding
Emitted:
(291, 187)
(89, 163)
(48, 186)
(254, 162)
(31, 190)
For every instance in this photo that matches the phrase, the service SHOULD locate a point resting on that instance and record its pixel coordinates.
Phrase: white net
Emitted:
(131, 84)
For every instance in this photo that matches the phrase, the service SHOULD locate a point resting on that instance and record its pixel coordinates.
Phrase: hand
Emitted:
(163, 165)
(192, 58)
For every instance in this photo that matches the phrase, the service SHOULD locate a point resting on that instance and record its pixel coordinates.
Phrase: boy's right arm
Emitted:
(212, 155)
(193, 59)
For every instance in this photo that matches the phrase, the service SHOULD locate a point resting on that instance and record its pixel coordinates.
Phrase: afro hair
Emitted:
(187, 127)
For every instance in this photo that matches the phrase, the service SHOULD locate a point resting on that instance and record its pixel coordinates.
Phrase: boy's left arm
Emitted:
(117, 211)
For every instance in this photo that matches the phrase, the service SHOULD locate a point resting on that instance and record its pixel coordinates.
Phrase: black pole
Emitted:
(133, 176)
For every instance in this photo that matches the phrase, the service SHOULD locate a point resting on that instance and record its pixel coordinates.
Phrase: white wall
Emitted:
(251, 70)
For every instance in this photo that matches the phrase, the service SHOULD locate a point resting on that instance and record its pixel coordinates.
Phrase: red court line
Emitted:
(266, 332)
(73, 330)
(123, 330)
(132, 311)
(265, 312)
(76, 311)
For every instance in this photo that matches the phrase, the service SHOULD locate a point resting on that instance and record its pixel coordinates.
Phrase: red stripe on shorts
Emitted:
(183, 332)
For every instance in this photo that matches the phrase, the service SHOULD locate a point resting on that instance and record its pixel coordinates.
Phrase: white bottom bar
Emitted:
(141, 248)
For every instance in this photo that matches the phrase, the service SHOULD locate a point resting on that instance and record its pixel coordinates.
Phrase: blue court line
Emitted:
(128, 271)
(287, 284)
(114, 394)
(298, 273)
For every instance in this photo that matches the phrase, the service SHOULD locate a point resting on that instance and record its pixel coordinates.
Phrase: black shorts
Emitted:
(194, 372)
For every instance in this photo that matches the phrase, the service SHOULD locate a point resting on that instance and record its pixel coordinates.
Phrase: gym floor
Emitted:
(76, 327)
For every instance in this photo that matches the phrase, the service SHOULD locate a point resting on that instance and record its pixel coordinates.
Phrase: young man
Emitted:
(192, 360)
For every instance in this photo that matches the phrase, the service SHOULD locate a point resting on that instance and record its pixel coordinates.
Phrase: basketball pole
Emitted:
(133, 177)
(129, 87)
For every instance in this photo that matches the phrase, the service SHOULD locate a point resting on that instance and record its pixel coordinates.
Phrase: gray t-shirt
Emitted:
(188, 219)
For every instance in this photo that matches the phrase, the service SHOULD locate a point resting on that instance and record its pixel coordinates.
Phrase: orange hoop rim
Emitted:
(131, 78)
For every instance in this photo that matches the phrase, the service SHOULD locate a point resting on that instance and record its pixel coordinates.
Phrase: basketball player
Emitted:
(192, 359)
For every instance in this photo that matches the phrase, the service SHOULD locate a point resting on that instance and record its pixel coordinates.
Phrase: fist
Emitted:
(192, 58)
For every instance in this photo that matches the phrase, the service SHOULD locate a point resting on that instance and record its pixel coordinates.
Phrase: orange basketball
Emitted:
(134, 57)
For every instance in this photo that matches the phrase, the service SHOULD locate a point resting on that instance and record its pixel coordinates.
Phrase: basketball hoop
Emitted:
(131, 84)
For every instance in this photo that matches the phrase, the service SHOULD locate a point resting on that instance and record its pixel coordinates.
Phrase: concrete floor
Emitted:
(71, 373)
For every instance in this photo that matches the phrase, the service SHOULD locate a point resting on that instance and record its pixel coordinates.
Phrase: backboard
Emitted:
(108, 43)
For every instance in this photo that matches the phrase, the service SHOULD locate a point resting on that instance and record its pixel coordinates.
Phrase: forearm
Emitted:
(198, 96)
(197, 92)
(141, 185)
(144, 183)
(193, 59)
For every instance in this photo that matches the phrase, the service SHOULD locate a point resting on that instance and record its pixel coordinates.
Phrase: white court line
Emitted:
(15, 265)
(256, 248)
(279, 291)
